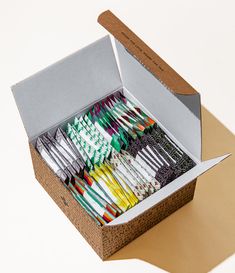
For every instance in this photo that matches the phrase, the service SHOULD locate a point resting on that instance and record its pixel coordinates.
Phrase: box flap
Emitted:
(59, 91)
(173, 102)
(144, 54)
(182, 120)
(167, 190)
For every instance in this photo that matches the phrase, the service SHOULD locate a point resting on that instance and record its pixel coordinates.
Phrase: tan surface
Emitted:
(200, 235)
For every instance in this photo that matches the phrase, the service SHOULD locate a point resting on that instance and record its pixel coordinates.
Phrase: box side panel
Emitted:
(115, 237)
(71, 208)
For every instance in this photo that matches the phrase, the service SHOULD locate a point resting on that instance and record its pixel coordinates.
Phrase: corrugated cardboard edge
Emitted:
(145, 55)
(106, 240)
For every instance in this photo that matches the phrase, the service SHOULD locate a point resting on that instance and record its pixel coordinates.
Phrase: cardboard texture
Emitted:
(152, 84)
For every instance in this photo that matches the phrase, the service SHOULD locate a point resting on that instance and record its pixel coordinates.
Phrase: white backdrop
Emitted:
(197, 38)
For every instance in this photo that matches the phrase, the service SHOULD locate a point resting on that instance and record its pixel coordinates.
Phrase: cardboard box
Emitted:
(52, 97)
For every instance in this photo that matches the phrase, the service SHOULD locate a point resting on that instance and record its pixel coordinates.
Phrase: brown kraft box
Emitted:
(142, 70)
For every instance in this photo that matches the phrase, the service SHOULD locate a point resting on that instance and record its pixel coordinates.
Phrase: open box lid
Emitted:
(156, 85)
(140, 66)
(66, 87)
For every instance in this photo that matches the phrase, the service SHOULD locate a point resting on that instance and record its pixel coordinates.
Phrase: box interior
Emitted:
(54, 96)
